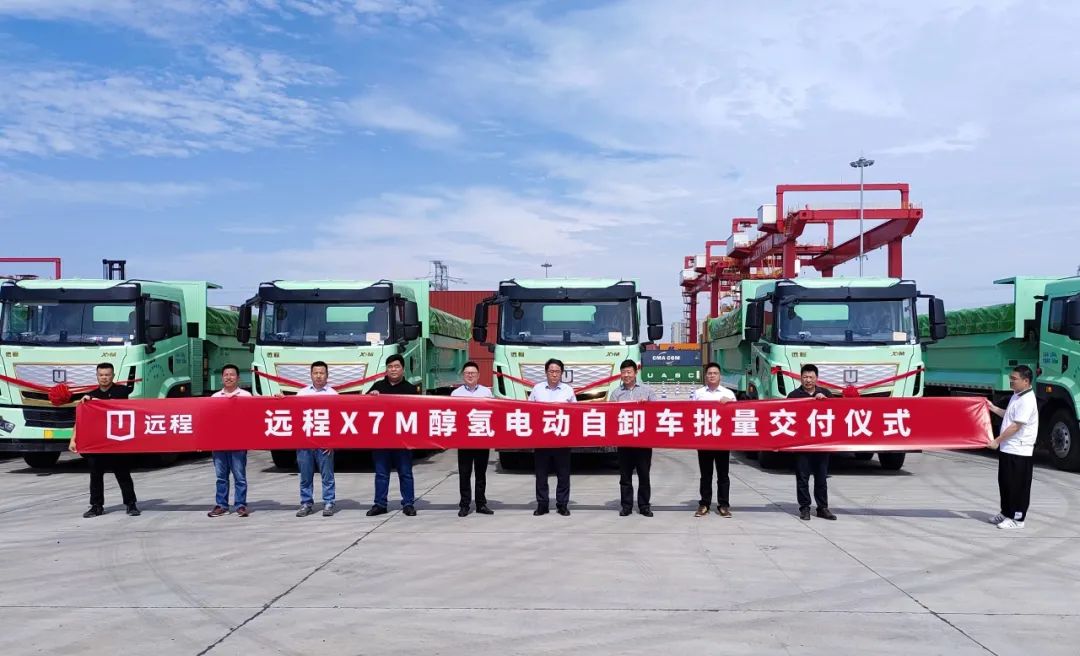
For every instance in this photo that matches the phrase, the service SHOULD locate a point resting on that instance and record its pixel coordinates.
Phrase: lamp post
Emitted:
(546, 265)
(861, 164)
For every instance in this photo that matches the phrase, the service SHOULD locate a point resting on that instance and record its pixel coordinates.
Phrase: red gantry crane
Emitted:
(778, 251)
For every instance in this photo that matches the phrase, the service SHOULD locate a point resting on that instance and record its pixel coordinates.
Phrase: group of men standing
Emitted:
(1016, 441)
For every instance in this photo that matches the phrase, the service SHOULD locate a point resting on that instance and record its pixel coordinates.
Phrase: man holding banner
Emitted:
(814, 462)
(119, 463)
(470, 459)
(307, 458)
(708, 458)
(231, 462)
(393, 383)
(553, 391)
(632, 458)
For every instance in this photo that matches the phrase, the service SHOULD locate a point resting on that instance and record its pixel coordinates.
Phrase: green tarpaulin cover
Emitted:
(976, 321)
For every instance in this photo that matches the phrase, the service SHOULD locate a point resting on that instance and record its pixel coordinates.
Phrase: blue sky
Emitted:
(246, 141)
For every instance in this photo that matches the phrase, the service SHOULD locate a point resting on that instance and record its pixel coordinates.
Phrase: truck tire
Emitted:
(284, 459)
(891, 461)
(772, 460)
(41, 459)
(1064, 440)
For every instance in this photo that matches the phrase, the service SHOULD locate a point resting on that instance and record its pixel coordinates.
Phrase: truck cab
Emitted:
(353, 326)
(860, 333)
(161, 338)
(592, 325)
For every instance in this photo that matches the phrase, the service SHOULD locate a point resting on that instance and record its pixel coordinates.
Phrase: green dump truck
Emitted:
(856, 331)
(592, 325)
(161, 335)
(353, 326)
(1041, 329)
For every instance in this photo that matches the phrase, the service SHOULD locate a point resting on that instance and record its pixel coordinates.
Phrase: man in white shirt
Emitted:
(1016, 443)
(307, 458)
(553, 391)
(713, 391)
(230, 462)
(468, 459)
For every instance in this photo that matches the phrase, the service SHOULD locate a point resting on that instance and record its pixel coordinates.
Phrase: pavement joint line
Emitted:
(310, 574)
(879, 575)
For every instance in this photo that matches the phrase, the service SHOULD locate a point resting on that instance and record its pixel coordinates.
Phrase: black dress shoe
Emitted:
(462, 512)
(94, 511)
(133, 510)
(804, 514)
(540, 510)
(825, 513)
(484, 510)
(624, 512)
(563, 510)
(646, 511)
(409, 511)
(376, 510)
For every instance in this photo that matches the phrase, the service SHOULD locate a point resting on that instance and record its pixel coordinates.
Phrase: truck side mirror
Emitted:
(411, 321)
(938, 328)
(479, 324)
(655, 333)
(1072, 318)
(654, 315)
(754, 322)
(243, 325)
(157, 321)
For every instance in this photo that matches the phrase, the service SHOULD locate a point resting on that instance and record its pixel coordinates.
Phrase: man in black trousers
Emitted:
(119, 463)
(816, 462)
(633, 458)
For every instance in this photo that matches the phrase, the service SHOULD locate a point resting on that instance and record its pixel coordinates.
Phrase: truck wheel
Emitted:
(891, 461)
(1064, 441)
(42, 459)
(284, 459)
(772, 460)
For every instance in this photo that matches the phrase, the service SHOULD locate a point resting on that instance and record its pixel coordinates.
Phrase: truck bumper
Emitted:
(16, 445)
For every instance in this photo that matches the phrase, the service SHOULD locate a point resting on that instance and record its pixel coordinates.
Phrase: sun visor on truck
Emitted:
(895, 292)
(273, 293)
(623, 291)
(116, 293)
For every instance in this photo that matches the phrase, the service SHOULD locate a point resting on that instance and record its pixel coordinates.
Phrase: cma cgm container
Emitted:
(462, 303)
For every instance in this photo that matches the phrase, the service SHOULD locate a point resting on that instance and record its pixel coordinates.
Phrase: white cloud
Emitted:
(966, 137)
(40, 191)
(382, 112)
(193, 19)
(482, 233)
(73, 111)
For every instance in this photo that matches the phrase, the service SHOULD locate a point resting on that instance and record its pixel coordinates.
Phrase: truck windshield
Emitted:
(68, 323)
(558, 323)
(847, 322)
(324, 324)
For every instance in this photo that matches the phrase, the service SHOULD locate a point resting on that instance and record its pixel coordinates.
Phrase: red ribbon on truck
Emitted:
(440, 422)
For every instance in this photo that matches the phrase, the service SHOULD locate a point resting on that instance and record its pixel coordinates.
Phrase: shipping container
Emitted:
(671, 374)
(671, 358)
(462, 303)
(679, 346)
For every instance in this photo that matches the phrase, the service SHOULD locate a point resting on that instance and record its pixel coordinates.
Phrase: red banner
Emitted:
(440, 422)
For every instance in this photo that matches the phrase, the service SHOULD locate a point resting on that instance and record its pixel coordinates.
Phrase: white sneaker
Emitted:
(996, 519)
(1009, 524)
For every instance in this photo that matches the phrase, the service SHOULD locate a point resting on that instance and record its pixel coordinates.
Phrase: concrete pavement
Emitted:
(910, 567)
